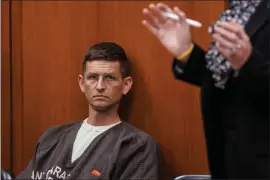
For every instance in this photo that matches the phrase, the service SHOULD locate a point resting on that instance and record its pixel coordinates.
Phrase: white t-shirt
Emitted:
(85, 136)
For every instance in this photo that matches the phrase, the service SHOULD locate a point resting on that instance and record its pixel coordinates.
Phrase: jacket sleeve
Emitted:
(45, 139)
(254, 75)
(193, 70)
(140, 163)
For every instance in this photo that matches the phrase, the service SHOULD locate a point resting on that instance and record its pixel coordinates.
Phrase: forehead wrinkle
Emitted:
(101, 71)
(103, 67)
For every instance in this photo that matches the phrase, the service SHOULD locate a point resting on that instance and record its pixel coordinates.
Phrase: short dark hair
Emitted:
(108, 51)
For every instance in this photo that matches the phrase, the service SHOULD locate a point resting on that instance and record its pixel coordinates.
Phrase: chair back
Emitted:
(193, 177)
(5, 175)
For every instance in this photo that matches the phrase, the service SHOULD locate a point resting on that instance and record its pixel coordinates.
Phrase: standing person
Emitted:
(233, 76)
(102, 146)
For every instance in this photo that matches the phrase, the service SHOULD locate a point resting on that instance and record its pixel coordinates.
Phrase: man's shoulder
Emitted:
(135, 133)
(55, 132)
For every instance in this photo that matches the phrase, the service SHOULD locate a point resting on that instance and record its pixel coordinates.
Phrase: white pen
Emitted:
(189, 21)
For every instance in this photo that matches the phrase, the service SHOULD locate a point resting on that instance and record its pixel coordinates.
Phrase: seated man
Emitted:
(102, 146)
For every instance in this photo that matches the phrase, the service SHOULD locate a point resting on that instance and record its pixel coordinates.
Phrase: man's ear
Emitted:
(128, 81)
(81, 82)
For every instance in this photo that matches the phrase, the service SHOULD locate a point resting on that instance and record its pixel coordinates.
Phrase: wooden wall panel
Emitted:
(51, 39)
(5, 87)
(17, 87)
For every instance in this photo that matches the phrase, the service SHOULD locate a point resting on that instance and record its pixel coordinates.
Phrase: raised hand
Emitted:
(175, 35)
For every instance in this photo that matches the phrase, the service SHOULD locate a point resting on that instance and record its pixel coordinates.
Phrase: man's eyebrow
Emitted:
(112, 73)
(91, 73)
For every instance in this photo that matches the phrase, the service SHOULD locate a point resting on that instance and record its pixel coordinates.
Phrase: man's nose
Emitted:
(100, 84)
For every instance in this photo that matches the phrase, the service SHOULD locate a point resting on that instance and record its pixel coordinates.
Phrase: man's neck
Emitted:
(102, 118)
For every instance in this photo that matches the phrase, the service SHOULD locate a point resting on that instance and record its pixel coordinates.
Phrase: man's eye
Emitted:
(93, 77)
(110, 77)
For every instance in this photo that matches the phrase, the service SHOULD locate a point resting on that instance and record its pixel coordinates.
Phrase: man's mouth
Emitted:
(100, 96)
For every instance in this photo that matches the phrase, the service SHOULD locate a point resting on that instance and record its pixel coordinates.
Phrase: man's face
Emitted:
(103, 84)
